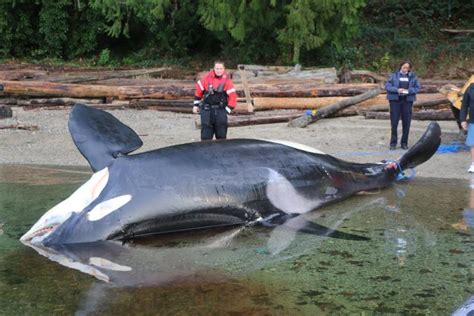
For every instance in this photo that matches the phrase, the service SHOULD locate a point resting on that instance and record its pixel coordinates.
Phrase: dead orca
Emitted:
(203, 184)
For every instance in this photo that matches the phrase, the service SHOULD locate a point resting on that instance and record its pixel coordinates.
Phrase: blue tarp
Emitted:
(453, 147)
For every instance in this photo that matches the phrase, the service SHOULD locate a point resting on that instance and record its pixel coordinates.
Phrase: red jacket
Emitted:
(203, 85)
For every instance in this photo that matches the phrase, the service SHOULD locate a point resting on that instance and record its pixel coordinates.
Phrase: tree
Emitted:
(311, 23)
(119, 13)
(295, 24)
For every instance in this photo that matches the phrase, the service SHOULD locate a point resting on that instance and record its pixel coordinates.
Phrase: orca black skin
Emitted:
(206, 184)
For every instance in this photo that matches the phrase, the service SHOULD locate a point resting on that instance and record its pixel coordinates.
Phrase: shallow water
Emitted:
(418, 259)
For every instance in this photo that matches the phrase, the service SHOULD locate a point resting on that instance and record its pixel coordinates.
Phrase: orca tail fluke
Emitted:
(423, 149)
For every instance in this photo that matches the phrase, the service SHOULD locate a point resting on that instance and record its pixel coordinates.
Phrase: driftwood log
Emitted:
(179, 89)
(20, 126)
(305, 120)
(455, 31)
(102, 75)
(319, 102)
(51, 89)
(365, 73)
(235, 121)
(44, 102)
(435, 103)
(434, 115)
(22, 74)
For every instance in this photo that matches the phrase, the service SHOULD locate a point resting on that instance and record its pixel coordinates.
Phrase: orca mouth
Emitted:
(39, 233)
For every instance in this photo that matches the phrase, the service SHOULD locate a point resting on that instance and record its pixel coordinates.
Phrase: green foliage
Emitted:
(311, 23)
(17, 24)
(85, 31)
(120, 13)
(104, 57)
(53, 26)
(383, 64)
(373, 34)
(247, 30)
(285, 25)
(412, 30)
(345, 57)
(302, 29)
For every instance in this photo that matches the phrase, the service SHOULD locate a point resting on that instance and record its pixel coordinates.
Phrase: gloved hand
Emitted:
(228, 109)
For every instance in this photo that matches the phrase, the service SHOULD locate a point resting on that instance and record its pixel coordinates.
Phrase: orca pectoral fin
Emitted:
(99, 136)
(299, 223)
(320, 230)
(284, 234)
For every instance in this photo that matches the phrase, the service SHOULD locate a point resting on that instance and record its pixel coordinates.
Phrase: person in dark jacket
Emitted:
(402, 87)
(215, 97)
(467, 107)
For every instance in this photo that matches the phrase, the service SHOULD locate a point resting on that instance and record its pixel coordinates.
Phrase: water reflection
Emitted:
(170, 258)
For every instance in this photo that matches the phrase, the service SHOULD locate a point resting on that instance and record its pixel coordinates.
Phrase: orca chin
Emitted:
(202, 185)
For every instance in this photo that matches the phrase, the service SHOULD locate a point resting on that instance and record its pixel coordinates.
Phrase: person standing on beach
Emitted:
(402, 87)
(467, 107)
(215, 97)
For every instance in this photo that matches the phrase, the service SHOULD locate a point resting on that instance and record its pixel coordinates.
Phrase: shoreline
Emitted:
(353, 138)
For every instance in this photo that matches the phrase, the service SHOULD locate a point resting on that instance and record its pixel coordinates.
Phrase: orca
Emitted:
(205, 184)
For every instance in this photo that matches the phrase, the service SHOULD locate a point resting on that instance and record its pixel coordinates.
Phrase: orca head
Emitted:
(77, 202)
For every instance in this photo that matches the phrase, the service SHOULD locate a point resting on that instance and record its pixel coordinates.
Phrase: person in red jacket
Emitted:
(215, 97)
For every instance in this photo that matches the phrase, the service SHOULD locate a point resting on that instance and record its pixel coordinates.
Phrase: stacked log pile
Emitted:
(259, 88)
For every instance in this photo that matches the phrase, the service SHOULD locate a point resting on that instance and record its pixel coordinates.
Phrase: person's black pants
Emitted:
(213, 122)
(403, 109)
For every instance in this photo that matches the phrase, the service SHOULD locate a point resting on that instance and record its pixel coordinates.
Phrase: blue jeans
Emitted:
(404, 109)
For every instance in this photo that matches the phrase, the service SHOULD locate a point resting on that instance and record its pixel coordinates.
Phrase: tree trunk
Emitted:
(305, 120)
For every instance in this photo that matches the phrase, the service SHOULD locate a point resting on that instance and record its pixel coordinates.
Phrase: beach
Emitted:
(351, 138)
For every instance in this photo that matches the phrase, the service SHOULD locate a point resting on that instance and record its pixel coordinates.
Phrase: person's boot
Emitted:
(471, 168)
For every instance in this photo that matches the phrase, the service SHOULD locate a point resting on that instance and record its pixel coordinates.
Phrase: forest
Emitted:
(437, 36)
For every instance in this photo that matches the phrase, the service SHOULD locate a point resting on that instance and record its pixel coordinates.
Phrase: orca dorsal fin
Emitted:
(99, 136)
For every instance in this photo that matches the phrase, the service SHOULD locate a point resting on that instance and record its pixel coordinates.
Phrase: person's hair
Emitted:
(219, 62)
(403, 63)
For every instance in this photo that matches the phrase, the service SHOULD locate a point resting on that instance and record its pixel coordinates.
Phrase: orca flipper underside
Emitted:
(299, 223)
(99, 136)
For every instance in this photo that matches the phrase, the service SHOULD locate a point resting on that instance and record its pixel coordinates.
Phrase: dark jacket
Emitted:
(392, 86)
(467, 106)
